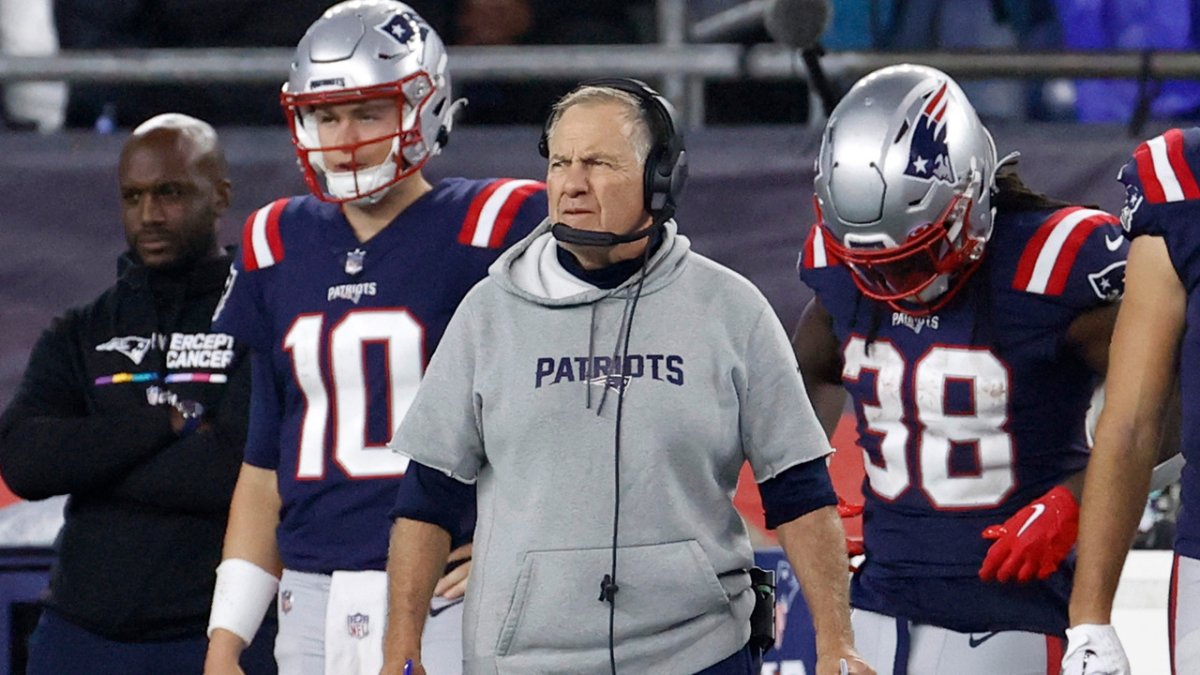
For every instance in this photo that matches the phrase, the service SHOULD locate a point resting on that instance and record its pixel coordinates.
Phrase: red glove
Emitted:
(1034, 542)
(854, 545)
(847, 510)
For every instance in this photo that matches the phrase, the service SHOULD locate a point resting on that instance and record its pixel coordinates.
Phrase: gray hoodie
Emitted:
(522, 398)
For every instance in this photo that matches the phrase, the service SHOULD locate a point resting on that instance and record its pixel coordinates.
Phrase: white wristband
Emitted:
(243, 593)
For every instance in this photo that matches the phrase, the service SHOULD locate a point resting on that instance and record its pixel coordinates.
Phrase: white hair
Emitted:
(637, 125)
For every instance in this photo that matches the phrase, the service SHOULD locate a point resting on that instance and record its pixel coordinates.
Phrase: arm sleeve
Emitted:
(197, 473)
(433, 497)
(779, 427)
(796, 491)
(1097, 276)
(52, 444)
(442, 429)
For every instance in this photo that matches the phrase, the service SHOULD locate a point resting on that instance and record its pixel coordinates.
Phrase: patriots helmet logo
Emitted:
(928, 154)
(403, 26)
(132, 346)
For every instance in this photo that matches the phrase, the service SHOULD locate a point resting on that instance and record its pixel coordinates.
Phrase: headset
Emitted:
(666, 168)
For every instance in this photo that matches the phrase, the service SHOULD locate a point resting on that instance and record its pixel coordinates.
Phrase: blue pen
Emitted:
(408, 667)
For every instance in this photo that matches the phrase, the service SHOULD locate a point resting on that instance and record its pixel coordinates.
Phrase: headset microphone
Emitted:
(572, 235)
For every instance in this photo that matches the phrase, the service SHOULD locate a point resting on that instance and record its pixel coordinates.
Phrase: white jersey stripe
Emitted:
(491, 210)
(258, 238)
(1163, 170)
(1052, 248)
(818, 248)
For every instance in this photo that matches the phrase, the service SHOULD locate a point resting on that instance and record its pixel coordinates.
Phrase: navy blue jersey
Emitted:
(342, 332)
(968, 414)
(1162, 199)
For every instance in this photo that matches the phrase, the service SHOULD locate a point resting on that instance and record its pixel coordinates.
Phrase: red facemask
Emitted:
(899, 274)
(364, 181)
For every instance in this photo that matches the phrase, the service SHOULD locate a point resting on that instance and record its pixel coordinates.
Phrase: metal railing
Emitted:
(679, 67)
(680, 63)
(709, 61)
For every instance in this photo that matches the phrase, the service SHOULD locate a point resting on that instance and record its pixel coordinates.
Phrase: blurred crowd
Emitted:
(40, 27)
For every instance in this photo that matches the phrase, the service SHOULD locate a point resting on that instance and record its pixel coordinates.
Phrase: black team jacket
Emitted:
(147, 509)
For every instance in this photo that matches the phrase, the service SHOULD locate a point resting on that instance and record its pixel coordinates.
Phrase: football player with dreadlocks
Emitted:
(342, 297)
(969, 320)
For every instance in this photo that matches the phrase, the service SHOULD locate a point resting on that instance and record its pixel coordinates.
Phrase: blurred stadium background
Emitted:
(1072, 84)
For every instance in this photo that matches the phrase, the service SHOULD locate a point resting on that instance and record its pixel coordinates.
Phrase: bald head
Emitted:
(173, 189)
(193, 137)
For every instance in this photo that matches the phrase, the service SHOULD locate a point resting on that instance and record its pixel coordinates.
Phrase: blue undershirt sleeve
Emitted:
(796, 491)
(430, 496)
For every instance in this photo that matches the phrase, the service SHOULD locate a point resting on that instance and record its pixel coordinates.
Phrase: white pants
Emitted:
(334, 625)
(1185, 616)
(933, 650)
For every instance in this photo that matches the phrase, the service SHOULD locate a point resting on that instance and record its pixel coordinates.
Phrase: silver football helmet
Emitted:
(361, 50)
(903, 186)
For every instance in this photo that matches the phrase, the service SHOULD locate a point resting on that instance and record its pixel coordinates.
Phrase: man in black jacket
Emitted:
(134, 408)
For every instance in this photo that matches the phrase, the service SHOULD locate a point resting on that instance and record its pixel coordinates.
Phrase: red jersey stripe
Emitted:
(274, 240)
(508, 212)
(1034, 248)
(467, 233)
(1145, 168)
(1070, 250)
(1183, 172)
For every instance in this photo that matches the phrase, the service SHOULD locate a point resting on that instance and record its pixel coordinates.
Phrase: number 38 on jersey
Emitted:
(937, 424)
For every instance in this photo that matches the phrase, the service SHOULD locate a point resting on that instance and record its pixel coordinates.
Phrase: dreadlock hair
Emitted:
(1012, 194)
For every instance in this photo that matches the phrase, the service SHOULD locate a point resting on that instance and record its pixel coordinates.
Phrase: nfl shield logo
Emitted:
(358, 625)
(285, 602)
(354, 261)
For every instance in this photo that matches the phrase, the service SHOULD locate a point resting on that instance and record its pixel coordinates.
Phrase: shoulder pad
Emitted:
(262, 246)
(1161, 172)
(1163, 167)
(1049, 256)
(493, 210)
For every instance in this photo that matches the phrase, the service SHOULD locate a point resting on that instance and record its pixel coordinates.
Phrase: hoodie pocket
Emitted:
(555, 603)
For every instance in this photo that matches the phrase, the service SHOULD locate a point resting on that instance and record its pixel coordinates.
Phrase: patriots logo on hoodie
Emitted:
(928, 155)
(132, 346)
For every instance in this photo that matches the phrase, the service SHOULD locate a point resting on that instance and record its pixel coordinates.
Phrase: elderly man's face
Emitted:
(594, 177)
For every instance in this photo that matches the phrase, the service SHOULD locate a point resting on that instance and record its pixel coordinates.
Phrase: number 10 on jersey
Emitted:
(401, 338)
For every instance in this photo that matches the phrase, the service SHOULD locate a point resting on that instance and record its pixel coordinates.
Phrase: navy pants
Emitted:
(59, 647)
(742, 662)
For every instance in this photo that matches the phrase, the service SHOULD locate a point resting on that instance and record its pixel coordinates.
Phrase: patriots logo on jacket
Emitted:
(928, 155)
(132, 346)
(614, 381)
